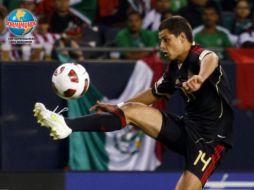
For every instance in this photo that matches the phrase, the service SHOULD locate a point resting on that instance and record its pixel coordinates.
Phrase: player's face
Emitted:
(171, 45)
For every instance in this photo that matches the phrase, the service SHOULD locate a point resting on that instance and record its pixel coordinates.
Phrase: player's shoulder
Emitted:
(201, 52)
(196, 49)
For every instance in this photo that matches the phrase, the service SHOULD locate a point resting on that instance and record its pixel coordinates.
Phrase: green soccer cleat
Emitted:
(51, 120)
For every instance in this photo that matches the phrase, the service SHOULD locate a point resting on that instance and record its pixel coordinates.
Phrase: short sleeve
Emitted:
(203, 54)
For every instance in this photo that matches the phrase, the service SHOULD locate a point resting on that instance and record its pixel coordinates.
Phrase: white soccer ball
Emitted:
(70, 81)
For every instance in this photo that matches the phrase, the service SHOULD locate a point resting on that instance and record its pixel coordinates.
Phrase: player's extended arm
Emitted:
(145, 97)
(207, 66)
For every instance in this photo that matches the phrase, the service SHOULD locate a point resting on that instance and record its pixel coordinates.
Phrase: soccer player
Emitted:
(201, 135)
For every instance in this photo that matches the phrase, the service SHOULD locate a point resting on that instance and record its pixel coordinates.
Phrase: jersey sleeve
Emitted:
(164, 87)
(203, 54)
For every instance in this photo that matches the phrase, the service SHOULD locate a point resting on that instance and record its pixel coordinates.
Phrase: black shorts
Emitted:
(201, 157)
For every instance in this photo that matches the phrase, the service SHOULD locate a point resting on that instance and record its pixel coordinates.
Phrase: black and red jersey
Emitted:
(208, 111)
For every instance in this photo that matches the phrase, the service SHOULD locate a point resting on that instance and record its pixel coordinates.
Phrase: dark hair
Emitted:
(212, 5)
(176, 25)
(134, 13)
(164, 13)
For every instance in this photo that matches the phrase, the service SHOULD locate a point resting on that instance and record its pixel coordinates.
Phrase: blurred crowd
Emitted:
(64, 27)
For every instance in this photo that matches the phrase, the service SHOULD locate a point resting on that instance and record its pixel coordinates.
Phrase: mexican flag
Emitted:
(126, 149)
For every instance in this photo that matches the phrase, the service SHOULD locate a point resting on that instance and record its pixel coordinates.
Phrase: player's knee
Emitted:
(131, 110)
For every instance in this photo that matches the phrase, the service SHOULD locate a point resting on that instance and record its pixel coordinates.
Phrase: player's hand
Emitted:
(103, 107)
(193, 84)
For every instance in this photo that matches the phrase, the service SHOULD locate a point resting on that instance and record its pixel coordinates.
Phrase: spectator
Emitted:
(69, 40)
(112, 13)
(7, 53)
(246, 39)
(233, 38)
(210, 36)
(193, 12)
(153, 18)
(43, 30)
(82, 9)
(178, 4)
(41, 47)
(240, 20)
(141, 6)
(45, 7)
(166, 14)
(44, 37)
(29, 5)
(62, 19)
(3, 10)
(135, 36)
(85, 9)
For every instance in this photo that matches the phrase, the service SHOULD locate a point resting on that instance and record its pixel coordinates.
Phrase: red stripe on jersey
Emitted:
(215, 158)
(197, 49)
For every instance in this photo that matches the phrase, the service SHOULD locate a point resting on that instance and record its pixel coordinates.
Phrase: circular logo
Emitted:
(20, 22)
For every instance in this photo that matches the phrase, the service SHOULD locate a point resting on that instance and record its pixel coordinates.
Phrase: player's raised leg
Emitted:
(112, 118)
(146, 118)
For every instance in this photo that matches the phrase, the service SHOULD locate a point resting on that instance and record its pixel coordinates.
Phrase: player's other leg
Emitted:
(188, 181)
(146, 118)
(202, 158)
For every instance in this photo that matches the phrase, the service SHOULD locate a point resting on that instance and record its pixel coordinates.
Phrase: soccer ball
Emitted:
(70, 81)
